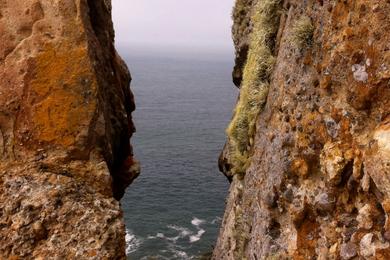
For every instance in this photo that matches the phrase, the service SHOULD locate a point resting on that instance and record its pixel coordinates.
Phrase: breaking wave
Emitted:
(197, 222)
(132, 242)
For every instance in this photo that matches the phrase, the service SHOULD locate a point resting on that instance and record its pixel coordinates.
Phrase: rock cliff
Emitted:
(65, 125)
(308, 150)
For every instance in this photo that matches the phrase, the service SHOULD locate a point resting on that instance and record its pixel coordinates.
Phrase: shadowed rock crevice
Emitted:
(115, 93)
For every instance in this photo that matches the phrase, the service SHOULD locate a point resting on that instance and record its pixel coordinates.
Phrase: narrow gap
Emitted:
(182, 83)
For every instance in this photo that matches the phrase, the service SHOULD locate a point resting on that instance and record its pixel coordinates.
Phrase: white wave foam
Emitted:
(195, 238)
(183, 231)
(162, 236)
(217, 220)
(158, 235)
(180, 254)
(132, 242)
(177, 250)
(196, 222)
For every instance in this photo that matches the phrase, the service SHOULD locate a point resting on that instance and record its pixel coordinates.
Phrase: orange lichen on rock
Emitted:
(307, 236)
(63, 94)
(300, 167)
(65, 128)
(320, 165)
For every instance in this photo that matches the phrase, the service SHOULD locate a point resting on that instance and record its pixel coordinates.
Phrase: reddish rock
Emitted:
(65, 128)
(328, 160)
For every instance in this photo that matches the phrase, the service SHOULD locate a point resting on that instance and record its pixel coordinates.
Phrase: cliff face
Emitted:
(308, 149)
(65, 125)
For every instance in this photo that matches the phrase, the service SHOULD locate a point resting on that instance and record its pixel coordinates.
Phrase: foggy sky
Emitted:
(174, 23)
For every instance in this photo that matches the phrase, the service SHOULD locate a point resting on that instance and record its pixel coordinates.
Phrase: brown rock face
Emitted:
(65, 125)
(317, 183)
(242, 27)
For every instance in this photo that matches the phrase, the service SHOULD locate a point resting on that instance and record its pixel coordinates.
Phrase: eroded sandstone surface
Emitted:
(65, 125)
(310, 176)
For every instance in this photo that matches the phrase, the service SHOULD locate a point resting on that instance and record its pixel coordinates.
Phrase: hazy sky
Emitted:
(173, 23)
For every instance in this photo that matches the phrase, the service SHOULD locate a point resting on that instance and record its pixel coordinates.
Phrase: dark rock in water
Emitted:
(65, 125)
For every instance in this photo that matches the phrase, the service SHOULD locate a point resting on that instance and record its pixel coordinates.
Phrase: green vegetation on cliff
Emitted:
(255, 84)
(302, 32)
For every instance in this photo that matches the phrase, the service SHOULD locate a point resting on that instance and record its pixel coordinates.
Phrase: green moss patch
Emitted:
(255, 84)
(302, 33)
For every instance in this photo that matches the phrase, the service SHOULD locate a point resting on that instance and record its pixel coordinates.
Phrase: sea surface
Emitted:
(184, 104)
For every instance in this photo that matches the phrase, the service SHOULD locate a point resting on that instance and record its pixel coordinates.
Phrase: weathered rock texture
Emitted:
(313, 180)
(65, 125)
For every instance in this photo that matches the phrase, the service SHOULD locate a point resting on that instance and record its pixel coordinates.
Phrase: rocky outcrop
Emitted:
(241, 30)
(65, 125)
(310, 161)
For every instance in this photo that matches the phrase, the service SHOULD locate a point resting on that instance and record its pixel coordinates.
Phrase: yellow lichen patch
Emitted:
(63, 93)
(254, 88)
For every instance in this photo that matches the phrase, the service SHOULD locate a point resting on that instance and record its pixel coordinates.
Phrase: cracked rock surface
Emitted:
(318, 183)
(65, 125)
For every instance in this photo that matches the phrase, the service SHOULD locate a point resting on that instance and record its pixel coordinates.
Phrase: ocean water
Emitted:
(184, 104)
